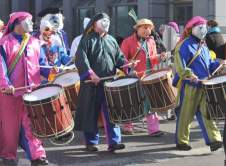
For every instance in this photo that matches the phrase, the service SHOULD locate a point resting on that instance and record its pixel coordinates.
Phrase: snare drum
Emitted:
(159, 90)
(48, 111)
(70, 80)
(125, 100)
(215, 91)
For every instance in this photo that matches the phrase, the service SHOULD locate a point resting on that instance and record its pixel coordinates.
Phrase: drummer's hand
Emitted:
(194, 78)
(163, 56)
(223, 62)
(94, 78)
(54, 70)
(9, 90)
(133, 63)
(132, 73)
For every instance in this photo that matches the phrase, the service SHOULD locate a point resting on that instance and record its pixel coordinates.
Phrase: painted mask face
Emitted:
(56, 20)
(103, 24)
(27, 25)
(47, 34)
(200, 31)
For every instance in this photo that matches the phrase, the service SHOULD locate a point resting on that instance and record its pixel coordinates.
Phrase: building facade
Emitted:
(160, 11)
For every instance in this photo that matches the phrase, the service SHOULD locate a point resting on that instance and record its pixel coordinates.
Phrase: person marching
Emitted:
(98, 55)
(141, 45)
(51, 55)
(193, 63)
(56, 18)
(19, 52)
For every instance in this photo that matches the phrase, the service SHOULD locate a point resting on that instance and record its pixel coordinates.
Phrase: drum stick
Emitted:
(130, 63)
(102, 78)
(62, 68)
(23, 87)
(217, 69)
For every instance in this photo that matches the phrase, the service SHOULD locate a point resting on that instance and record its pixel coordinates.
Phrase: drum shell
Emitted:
(160, 92)
(71, 91)
(215, 97)
(125, 103)
(50, 117)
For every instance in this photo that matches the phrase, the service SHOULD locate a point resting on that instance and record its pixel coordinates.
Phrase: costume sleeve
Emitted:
(4, 79)
(81, 60)
(181, 59)
(74, 46)
(64, 58)
(43, 62)
(125, 49)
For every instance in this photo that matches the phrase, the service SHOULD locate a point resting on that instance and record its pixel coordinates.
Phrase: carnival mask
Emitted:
(56, 20)
(103, 24)
(200, 31)
(27, 25)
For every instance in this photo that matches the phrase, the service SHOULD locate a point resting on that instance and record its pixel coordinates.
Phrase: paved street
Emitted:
(141, 150)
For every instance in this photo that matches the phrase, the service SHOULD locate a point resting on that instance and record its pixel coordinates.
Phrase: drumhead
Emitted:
(42, 93)
(121, 82)
(216, 80)
(155, 75)
(67, 79)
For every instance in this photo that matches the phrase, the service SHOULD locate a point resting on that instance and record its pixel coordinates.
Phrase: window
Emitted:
(182, 13)
(122, 22)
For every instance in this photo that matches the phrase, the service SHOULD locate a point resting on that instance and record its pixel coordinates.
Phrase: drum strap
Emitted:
(23, 45)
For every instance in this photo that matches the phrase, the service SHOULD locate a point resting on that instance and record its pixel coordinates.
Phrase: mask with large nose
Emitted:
(199, 31)
(103, 24)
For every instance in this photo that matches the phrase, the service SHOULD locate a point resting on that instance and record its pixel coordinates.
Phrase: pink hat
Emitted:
(197, 20)
(20, 16)
(174, 26)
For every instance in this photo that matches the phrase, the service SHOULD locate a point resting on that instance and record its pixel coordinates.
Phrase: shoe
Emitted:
(172, 117)
(8, 162)
(114, 147)
(91, 148)
(39, 162)
(184, 147)
(124, 132)
(215, 145)
(157, 134)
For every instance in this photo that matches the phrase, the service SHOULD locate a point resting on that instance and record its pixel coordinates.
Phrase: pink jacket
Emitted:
(26, 72)
(129, 48)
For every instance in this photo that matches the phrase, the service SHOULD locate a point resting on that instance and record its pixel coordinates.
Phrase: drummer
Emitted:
(51, 55)
(17, 70)
(98, 55)
(193, 63)
(140, 46)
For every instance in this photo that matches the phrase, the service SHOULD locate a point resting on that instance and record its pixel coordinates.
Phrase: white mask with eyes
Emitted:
(103, 24)
(27, 25)
(200, 31)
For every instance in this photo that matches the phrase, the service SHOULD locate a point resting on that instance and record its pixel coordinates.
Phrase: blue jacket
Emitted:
(202, 66)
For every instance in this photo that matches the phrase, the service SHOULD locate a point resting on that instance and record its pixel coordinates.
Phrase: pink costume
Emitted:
(15, 127)
(129, 47)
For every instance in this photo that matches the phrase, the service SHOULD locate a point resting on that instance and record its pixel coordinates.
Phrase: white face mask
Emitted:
(27, 25)
(57, 21)
(200, 31)
(103, 24)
